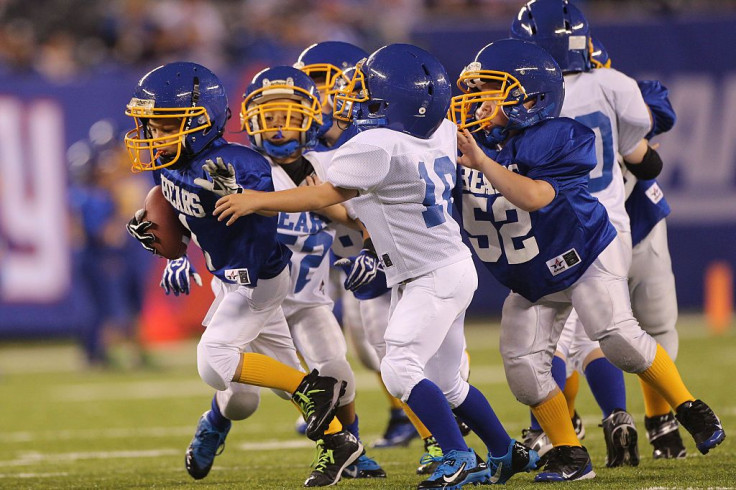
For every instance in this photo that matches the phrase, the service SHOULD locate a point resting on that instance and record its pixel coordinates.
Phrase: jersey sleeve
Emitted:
(359, 166)
(254, 172)
(656, 97)
(634, 121)
(558, 151)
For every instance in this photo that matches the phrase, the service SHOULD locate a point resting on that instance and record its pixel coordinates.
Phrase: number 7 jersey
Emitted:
(404, 196)
(544, 251)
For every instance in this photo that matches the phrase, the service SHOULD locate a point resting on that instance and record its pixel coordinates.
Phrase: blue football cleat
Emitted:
(457, 469)
(364, 467)
(702, 424)
(400, 431)
(517, 459)
(207, 443)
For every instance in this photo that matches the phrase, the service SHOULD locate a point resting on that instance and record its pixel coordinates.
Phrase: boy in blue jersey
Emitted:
(180, 111)
(531, 219)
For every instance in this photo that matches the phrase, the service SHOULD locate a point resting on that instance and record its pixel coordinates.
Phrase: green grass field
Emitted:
(66, 427)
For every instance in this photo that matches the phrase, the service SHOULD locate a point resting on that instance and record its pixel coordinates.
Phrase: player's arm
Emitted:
(233, 206)
(523, 192)
(337, 213)
(644, 161)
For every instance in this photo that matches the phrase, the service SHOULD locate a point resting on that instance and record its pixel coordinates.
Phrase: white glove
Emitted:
(362, 269)
(223, 178)
(176, 276)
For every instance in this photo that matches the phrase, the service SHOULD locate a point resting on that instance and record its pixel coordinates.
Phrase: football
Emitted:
(167, 228)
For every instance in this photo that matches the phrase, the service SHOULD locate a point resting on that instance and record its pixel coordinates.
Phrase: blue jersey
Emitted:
(247, 250)
(544, 251)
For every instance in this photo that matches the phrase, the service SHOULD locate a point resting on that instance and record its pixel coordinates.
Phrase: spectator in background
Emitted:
(111, 265)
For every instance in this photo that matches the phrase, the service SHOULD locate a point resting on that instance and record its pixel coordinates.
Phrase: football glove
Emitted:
(137, 229)
(223, 178)
(176, 277)
(360, 269)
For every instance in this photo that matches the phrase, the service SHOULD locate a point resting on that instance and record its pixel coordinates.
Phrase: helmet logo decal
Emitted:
(145, 104)
(577, 42)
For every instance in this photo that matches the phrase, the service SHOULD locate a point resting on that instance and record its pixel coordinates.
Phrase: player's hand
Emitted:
(176, 276)
(137, 228)
(223, 178)
(363, 268)
(472, 155)
(234, 206)
(313, 180)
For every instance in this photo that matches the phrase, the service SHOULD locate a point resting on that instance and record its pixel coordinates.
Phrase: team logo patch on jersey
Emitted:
(240, 276)
(563, 262)
(654, 193)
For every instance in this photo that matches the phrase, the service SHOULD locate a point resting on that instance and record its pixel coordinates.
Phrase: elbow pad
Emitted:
(649, 168)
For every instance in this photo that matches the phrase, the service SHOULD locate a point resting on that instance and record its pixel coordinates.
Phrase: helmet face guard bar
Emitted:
(464, 108)
(143, 149)
(254, 114)
(350, 93)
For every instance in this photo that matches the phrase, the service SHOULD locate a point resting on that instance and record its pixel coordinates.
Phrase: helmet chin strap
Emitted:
(281, 151)
(496, 135)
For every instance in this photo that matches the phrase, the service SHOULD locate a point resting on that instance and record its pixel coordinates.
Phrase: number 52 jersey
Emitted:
(540, 252)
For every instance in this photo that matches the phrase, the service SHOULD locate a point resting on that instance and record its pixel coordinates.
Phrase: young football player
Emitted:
(534, 224)
(366, 303)
(399, 171)
(180, 110)
(611, 104)
(281, 113)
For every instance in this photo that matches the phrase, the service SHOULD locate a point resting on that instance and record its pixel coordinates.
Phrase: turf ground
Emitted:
(63, 426)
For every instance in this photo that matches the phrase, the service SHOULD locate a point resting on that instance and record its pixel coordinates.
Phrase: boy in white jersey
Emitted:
(399, 172)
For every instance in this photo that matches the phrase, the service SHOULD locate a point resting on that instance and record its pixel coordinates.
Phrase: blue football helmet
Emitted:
(404, 88)
(598, 54)
(560, 28)
(281, 98)
(504, 75)
(183, 91)
(327, 63)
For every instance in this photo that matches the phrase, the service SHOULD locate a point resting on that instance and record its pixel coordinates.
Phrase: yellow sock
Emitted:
(334, 427)
(418, 425)
(260, 370)
(552, 415)
(571, 391)
(654, 403)
(664, 377)
(394, 402)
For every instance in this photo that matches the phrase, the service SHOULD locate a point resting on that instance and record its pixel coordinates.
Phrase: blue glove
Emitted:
(176, 276)
(360, 269)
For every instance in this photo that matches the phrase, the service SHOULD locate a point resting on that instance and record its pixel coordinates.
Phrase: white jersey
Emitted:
(404, 197)
(610, 103)
(309, 237)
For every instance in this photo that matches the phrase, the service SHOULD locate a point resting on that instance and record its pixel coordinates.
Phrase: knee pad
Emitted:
(217, 363)
(630, 355)
(239, 405)
(399, 382)
(522, 375)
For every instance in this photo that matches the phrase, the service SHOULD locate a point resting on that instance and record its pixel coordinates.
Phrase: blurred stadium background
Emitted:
(68, 273)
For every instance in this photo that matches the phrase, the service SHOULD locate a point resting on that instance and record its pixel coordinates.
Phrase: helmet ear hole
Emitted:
(374, 107)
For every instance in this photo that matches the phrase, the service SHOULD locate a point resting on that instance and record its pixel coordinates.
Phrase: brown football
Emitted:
(166, 227)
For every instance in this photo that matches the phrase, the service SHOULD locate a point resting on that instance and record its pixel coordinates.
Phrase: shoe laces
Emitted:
(323, 458)
(433, 451)
(210, 440)
(305, 401)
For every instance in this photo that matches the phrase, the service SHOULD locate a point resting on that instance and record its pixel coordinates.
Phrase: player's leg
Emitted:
(322, 345)
(506, 457)
(529, 335)
(236, 317)
(424, 310)
(601, 297)
(654, 302)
